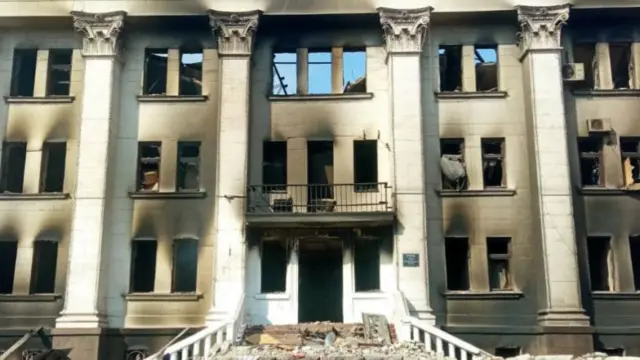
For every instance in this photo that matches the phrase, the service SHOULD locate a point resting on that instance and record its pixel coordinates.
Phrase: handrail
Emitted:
(421, 324)
(200, 335)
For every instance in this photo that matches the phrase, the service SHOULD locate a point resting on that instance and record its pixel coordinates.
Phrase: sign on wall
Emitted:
(410, 260)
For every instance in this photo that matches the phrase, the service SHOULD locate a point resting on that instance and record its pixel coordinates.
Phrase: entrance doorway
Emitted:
(320, 281)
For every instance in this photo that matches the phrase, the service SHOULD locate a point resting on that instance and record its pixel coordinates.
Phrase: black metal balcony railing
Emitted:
(318, 198)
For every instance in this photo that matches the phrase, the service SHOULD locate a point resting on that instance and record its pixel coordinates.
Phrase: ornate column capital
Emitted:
(540, 26)
(100, 31)
(404, 29)
(234, 31)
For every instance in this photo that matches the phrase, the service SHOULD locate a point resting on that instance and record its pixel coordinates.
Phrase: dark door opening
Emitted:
(320, 281)
(319, 175)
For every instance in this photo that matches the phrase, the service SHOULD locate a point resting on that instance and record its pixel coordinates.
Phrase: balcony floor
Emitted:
(325, 220)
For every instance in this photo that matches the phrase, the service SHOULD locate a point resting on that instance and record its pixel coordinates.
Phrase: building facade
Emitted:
(166, 163)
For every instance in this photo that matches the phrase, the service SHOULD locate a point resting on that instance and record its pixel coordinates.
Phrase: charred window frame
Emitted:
(319, 71)
(285, 73)
(149, 156)
(450, 59)
(185, 266)
(585, 53)
(274, 165)
(8, 256)
(143, 265)
(52, 171)
(23, 73)
(499, 257)
(274, 261)
(634, 248)
(43, 267)
(354, 70)
(621, 59)
(191, 61)
(366, 263)
(600, 263)
(59, 72)
(457, 258)
(486, 70)
(630, 151)
(365, 165)
(188, 174)
(155, 71)
(14, 156)
(454, 174)
(591, 161)
(493, 161)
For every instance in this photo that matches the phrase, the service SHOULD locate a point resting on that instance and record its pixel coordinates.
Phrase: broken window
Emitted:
(630, 149)
(600, 262)
(53, 167)
(188, 166)
(285, 73)
(499, 253)
(506, 352)
(621, 65)
(14, 155)
(365, 163)
(366, 257)
(320, 76)
(43, 268)
(59, 74)
(185, 265)
(8, 253)
(155, 71)
(493, 173)
(320, 176)
(354, 63)
(454, 173)
(143, 266)
(274, 261)
(586, 54)
(457, 260)
(590, 149)
(274, 165)
(23, 74)
(148, 166)
(450, 58)
(486, 62)
(634, 248)
(190, 72)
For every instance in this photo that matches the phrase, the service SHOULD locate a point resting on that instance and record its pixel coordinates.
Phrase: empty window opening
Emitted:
(320, 176)
(365, 163)
(23, 75)
(185, 265)
(454, 172)
(14, 155)
(634, 247)
(590, 150)
(54, 155)
(585, 54)
(366, 256)
(320, 76)
(155, 71)
(43, 270)
(8, 253)
(630, 151)
(274, 261)
(621, 65)
(188, 174)
(450, 58)
(143, 266)
(600, 263)
(191, 73)
(486, 62)
(274, 165)
(354, 70)
(506, 352)
(285, 73)
(320, 280)
(493, 173)
(149, 166)
(457, 262)
(499, 253)
(59, 74)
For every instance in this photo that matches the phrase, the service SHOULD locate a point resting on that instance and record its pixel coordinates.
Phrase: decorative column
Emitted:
(85, 299)
(405, 32)
(234, 32)
(559, 298)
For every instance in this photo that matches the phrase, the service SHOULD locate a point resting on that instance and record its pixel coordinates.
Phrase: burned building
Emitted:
(467, 170)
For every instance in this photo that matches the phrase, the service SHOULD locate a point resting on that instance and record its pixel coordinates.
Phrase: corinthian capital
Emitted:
(234, 31)
(100, 31)
(540, 26)
(404, 29)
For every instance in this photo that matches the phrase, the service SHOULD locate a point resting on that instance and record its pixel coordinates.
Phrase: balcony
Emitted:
(332, 205)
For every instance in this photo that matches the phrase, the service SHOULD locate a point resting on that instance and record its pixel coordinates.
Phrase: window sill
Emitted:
(484, 295)
(477, 193)
(168, 195)
(39, 196)
(612, 295)
(471, 94)
(272, 296)
(603, 191)
(312, 97)
(371, 295)
(171, 98)
(163, 297)
(607, 92)
(30, 297)
(39, 99)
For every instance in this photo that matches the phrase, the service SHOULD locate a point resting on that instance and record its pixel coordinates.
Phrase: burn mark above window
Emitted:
(319, 71)
(14, 155)
(23, 75)
(188, 174)
(59, 72)
(586, 54)
(354, 64)
(590, 151)
(274, 165)
(621, 65)
(53, 167)
(143, 266)
(493, 163)
(450, 58)
(499, 254)
(285, 81)
(191, 72)
(43, 270)
(155, 71)
(365, 165)
(454, 174)
(600, 263)
(148, 166)
(630, 151)
(457, 262)
(486, 62)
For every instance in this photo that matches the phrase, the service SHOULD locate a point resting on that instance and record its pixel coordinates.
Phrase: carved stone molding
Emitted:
(100, 31)
(540, 26)
(404, 29)
(234, 31)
